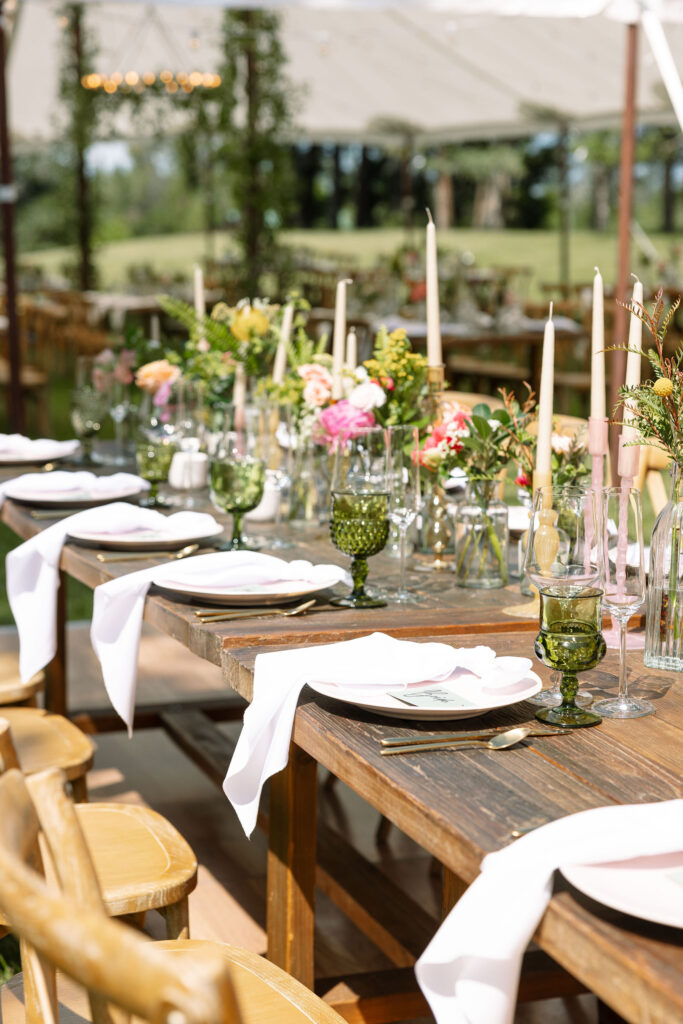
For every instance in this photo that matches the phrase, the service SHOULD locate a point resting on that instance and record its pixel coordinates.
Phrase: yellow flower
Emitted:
(248, 321)
(221, 312)
(663, 387)
(398, 335)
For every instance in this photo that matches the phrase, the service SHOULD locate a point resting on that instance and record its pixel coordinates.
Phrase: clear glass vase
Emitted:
(303, 492)
(481, 538)
(664, 629)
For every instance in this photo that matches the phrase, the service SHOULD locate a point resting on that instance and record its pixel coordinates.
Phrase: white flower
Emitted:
(561, 444)
(361, 375)
(367, 397)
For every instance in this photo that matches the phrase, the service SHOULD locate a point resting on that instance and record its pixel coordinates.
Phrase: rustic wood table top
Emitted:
(447, 609)
(462, 805)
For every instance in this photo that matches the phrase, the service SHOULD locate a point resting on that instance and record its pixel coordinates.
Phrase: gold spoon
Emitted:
(189, 549)
(499, 742)
(456, 737)
(211, 617)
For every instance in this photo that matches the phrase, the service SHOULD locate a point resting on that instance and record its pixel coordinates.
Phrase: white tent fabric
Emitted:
(452, 69)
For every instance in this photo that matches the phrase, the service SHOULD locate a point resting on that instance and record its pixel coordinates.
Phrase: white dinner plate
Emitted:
(643, 887)
(518, 518)
(47, 452)
(142, 540)
(467, 685)
(72, 498)
(245, 596)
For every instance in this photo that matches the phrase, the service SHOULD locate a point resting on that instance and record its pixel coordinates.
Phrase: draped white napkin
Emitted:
(33, 570)
(375, 662)
(119, 606)
(17, 446)
(63, 483)
(469, 972)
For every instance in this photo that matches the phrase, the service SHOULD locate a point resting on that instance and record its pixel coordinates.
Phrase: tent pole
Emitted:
(8, 195)
(628, 138)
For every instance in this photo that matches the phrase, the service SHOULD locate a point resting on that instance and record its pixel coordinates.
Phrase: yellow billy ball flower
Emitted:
(663, 387)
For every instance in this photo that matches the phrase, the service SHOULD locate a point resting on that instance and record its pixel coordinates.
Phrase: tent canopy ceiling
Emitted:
(452, 70)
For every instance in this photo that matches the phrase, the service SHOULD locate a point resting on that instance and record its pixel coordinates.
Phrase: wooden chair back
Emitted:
(464, 398)
(652, 462)
(70, 931)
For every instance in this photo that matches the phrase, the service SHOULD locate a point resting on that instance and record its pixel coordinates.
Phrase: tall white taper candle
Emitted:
(339, 339)
(545, 402)
(598, 349)
(280, 364)
(434, 353)
(351, 350)
(635, 340)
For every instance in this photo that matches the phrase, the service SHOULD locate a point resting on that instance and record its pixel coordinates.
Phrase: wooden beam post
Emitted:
(617, 370)
(8, 197)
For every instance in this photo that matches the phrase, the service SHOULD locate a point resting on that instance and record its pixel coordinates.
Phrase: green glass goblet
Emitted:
(359, 526)
(236, 485)
(153, 460)
(570, 641)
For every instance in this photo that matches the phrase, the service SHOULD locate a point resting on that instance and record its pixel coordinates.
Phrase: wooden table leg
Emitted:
(55, 672)
(291, 866)
(453, 888)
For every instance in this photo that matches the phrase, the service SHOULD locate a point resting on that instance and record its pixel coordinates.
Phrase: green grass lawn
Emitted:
(538, 250)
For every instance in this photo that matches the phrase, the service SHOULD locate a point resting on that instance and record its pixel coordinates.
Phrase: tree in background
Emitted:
(253, 148)
(78, 55)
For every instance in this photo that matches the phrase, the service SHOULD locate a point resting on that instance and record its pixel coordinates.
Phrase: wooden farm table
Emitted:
(448, 610)
(460, 806)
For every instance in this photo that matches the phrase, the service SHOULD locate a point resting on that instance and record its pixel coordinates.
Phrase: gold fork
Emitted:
(211, 617)
(189, 549)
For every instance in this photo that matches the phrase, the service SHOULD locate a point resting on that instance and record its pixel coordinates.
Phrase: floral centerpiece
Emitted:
(568, 463)
(246, 333)
(482, 443)
(654, 409)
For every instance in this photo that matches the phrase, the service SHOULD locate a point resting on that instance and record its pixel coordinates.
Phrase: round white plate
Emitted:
(257, 594)
(45, 455)
(141, 540)
(72, 499)
(518, 518)
(640, 887)
(467, 686)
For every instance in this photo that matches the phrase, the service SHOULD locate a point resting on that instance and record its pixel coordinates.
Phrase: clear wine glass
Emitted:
(561, 554)
(88, 408)
(237, 470)
(403, 446)
(189, 469)
(156, 444)
(623, 584)
(359, 522)
(279, 441)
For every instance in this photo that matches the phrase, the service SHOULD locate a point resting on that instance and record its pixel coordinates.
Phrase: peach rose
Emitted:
(316, 393)
(315, 372)
(151, 376)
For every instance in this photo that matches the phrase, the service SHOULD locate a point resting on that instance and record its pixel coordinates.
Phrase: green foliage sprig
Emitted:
(654, 406)
(403, 375)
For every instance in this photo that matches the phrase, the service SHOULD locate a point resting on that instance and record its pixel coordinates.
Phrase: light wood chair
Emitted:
(142, 862)
(12, 690)
(43, 740)
(212, 984)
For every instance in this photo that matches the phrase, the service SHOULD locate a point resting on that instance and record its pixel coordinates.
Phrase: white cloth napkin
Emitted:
(376, 661)
(17, 446)
(119, 606)
(33, 570)
(469, 972)
(62, 482)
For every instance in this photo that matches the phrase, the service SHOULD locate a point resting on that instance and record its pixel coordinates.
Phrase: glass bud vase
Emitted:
(303, 493)
(481, 538)
(664, 629)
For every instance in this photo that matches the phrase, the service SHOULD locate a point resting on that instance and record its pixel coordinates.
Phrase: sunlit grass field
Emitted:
(538, 250)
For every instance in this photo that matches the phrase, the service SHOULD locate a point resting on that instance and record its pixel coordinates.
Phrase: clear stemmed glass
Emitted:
(562, 554)
(279, 465)
(403, 465)
(237, 471)
(89, 407)
(359, 523)
(189, 468)
(623, 583)
(155, 445)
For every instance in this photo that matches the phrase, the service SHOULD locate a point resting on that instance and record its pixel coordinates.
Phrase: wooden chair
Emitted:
(464, 398)
(142, 861)
(42, 740)
(213, 984)
(12, 690)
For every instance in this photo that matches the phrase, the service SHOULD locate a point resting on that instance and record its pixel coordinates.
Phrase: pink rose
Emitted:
(316, 393)
(203, 346)
(343, 420)
(123, 374)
